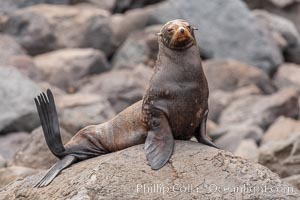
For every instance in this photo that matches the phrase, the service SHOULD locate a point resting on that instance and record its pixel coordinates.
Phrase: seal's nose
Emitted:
(181, 30)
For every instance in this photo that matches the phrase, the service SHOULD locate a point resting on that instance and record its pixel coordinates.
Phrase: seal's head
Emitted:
(177, 34)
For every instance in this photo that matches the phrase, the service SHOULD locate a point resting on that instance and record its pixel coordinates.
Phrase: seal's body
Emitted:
(176, 102)
(174, 106)
(179, 89)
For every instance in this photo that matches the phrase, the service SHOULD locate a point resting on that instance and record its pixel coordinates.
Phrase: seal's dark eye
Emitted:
(170, 30)
(189, 27)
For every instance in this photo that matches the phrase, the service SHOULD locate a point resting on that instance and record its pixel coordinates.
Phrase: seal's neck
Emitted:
(189, 57)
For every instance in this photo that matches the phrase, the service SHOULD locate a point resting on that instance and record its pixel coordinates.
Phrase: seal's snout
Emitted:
(181, 30)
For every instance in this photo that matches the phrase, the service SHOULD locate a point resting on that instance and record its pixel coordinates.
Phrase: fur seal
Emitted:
(174, 107)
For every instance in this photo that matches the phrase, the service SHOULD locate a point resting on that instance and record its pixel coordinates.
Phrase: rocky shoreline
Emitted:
(97, 57)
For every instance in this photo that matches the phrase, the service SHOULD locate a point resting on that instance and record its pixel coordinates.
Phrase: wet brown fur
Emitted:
(178, 86)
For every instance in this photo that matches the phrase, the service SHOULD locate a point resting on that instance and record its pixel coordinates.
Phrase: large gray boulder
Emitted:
(282, 156)
(121, 87)
(122, 6)
(276, 24)
(227, 29)
(41, 28)
(286, 8)
(261, 110)
(10, 143)
(123, 24)
(281, 129)
(9, 48)
(139, 47)
(12, 54)
(12, 5)
(280, 149)
(64, 67)
(237, 133)
(18, 112)
(229, 75)
(194, 172)
(218, 99)
(283, 32)
(79, 110)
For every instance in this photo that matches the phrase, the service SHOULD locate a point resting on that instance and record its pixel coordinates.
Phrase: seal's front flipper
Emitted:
(159, 144)
(55, 170)
(201, 135)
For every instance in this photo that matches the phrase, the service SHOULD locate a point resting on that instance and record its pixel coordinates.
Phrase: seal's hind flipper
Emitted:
(201, 135)
(49, 120)
(55, 170)
(159, 144)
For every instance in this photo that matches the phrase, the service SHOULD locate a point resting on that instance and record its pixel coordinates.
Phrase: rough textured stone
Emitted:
(11, 142)
(123, 24)
(13, 173)
(9, 48)
(63, 68)
(12, 5)
(219, 71)
(34, 152)
(288, 75)
(42, 28)
(104, 4)
(122, 87)
(293, 180)
(282, 156)
(283, 32)
(2, 162)
(218, 100)
(229, 35)
(79, 110)
(122, 6)
(261, 110)
(282, 129)
(26, 66)
(288, 10)
(280, 25)
(140, 47)
(236, 133)
(119, 175)
(248, 150)
(18, 112)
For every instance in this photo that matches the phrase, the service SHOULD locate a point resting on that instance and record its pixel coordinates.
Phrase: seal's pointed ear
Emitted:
(195, 28)
(158, 34)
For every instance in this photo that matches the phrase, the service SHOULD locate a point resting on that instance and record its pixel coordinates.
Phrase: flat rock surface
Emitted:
(125, 175)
